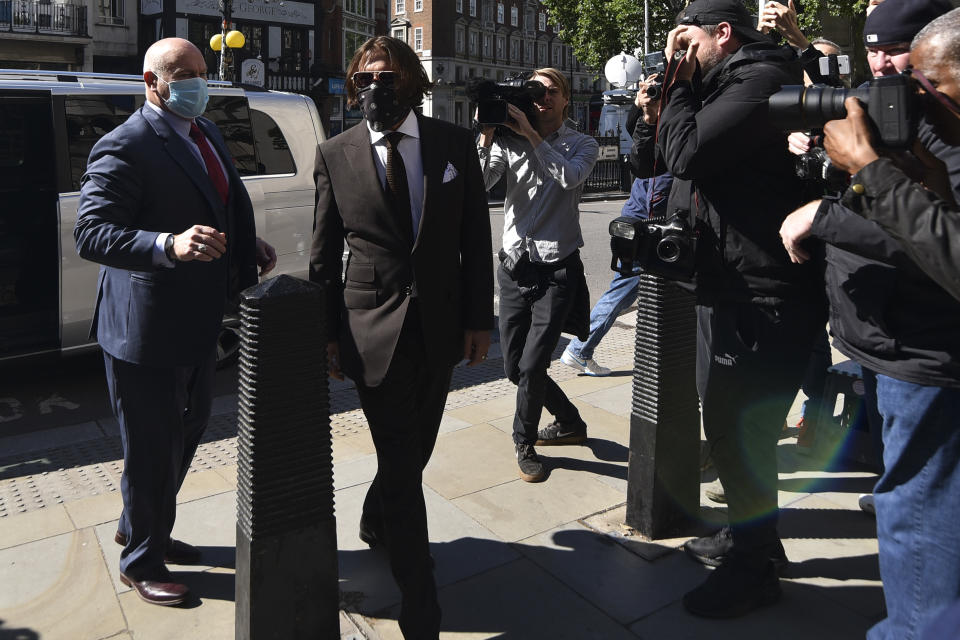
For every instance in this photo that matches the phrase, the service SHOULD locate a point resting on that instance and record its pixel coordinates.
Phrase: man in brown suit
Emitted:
(406, 193)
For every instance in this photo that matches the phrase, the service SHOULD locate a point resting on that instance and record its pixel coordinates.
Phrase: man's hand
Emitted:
(199, 242)
(266, 257)
(795, 228)
(333, 360)
(476, 343)
(783, 19)
(648, 107)
(518, 123)
(678, 40)
(798, 143)
(849, 141)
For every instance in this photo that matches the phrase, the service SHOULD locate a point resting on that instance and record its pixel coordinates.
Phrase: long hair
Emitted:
(562, 82)
(413, 84)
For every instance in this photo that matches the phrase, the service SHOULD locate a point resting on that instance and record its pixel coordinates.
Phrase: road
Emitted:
(71, 391)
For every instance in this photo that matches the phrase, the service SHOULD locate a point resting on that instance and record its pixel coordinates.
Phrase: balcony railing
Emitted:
(28, 16)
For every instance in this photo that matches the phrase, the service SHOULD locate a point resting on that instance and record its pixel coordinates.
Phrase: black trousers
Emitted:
(750, 362)
(162, 412)
(529, 332)
(404, 413)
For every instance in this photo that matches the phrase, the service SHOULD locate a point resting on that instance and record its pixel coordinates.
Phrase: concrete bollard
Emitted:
(286, 579)
(663, 476)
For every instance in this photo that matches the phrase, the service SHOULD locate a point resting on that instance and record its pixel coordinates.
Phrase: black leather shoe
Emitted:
(178, 552)
(734, 589)
(156, 592)
(370, 535)
(714, 550)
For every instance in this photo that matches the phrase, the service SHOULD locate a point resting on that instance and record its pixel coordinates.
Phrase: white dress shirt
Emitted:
(412, 161)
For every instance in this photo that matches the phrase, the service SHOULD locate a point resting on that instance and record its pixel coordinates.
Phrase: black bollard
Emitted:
(663, 477)
(287, 580)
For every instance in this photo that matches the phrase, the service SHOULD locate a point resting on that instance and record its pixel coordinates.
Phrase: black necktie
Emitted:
(397, 187)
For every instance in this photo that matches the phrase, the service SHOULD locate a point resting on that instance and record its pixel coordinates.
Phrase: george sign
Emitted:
(253, 71)
(290, 12)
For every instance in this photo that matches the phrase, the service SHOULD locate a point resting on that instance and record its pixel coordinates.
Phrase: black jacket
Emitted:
(894, 287)
(732, 170)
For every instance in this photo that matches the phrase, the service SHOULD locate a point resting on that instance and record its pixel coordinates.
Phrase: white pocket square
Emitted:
(449, 173)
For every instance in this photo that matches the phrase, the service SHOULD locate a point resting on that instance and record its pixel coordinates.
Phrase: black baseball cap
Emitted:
(707, 12)
(896, 21)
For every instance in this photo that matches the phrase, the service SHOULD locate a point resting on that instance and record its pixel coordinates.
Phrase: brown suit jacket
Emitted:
(451, 261)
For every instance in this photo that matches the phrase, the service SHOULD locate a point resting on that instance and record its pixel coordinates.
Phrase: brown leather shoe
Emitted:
(162, 593)
(178, 552)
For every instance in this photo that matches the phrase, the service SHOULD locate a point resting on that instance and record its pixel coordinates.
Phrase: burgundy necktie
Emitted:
(210, 159)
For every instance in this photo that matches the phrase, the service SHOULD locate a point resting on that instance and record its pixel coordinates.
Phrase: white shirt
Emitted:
(412, 161)
(181, 127)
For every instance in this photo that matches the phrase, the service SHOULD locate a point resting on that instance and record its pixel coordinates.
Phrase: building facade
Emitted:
(50, 35)
(460, 40)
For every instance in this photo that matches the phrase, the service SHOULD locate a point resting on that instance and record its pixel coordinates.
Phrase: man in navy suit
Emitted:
(163, 210)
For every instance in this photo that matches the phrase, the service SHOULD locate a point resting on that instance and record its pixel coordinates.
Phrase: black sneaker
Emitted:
(531, 469)
(734, 589)
(713, 550)
(556, 434)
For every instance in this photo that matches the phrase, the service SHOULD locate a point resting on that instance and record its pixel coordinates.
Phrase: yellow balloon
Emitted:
(235, 40)
(215, 42)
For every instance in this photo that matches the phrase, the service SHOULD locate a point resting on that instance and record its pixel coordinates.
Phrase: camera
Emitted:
(492, 98)
(892, 103)
(666, 246)
(815, 166)
(654, 63)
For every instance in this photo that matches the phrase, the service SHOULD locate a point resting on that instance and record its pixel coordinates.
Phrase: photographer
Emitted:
(757, 313)
(541, 276)
(891, 313)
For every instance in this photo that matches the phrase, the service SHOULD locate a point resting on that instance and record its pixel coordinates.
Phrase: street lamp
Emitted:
(232, 39)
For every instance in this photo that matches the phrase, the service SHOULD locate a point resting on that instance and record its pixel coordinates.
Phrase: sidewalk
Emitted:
(513, 560)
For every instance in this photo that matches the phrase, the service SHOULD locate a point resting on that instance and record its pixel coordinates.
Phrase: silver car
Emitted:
(49, 121)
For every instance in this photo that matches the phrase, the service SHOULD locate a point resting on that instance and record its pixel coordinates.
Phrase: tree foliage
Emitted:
(600, 29)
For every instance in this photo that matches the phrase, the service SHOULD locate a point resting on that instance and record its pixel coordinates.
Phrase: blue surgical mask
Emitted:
(188, 98)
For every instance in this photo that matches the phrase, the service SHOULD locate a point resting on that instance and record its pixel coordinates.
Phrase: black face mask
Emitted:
(381, 106)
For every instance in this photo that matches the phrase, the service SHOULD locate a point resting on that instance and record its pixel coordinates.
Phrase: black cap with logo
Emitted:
(897, 21)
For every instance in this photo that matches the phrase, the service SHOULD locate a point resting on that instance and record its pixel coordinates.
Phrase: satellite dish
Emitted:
(623, 70)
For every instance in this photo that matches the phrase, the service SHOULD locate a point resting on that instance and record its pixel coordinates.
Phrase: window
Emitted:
(110, 11)
(487, 44)
(556, 57)
(458, 74)
(459, 39)
(486, 73)
(514, 16)
(88, 119)
(500, 12)
(362, 8)
(273, 152)
(542, 54)
(543, 21)
(418, 5)
(418, 39)
(293, 50)
(459, 6)
(232, 117)
(400, 33)
(474, 38)
(515, 50)
(400, 6)
(528, 53)
(473, 8)
(458, 113)
(501, 48)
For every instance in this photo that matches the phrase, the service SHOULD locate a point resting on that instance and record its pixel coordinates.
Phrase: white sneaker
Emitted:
(589, 367)
(866, 503)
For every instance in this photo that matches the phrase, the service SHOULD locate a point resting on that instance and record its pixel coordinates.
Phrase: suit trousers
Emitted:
(404, 413)
(750, 362)
(529, 332)
(162, 412)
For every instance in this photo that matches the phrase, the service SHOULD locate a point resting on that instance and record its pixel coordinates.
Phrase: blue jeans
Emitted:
(619, 295)
(918, 505)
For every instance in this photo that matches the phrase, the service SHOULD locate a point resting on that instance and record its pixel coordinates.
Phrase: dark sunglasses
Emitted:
(363, 79)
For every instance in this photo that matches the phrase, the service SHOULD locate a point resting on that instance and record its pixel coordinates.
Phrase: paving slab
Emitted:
(89, 512)
(469, 460)
(615, 399)
(34, 525)
(207, 615)
(59, 588)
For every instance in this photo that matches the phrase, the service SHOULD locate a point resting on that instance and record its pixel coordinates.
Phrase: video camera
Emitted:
(654, 63)
(492, 98)
(666, 246)
(892, 103)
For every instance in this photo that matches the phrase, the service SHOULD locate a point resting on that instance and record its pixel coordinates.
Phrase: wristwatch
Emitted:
(168, 248)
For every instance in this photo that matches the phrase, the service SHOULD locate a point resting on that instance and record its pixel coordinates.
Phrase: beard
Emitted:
(709, 59)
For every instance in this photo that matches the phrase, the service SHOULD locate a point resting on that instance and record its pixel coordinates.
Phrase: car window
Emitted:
(231, 114)
(272, 147)
(90, 117)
